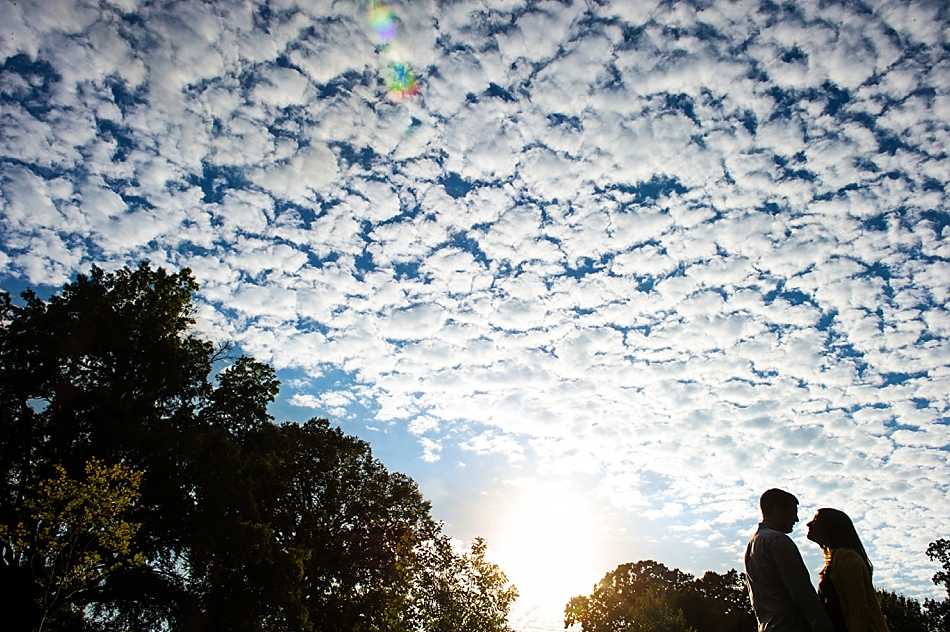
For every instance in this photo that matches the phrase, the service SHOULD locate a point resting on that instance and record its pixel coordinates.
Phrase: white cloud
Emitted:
(281, 87)
(430, 449)
(490, 442)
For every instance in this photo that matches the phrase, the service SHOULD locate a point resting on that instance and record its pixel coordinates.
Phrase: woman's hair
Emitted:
(841, 533)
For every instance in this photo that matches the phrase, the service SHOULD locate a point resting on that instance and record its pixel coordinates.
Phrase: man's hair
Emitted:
(773, 498)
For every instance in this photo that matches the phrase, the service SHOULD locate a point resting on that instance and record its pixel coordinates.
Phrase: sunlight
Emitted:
(549, 544)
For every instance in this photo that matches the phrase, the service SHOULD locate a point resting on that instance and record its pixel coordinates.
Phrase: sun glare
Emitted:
(549, 545)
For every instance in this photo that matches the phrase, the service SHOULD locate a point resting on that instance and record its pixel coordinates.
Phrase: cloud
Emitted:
(430, 449)
(491, 443)
(689, 253)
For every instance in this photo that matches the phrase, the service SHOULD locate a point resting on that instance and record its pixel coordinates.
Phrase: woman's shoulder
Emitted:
(847, 558)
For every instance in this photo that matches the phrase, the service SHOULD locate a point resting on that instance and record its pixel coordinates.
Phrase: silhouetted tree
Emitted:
(726, 600)
(243, 524)
(451, 592)
(938, 612)
(713, 603)
(105, 369)
(902, 613)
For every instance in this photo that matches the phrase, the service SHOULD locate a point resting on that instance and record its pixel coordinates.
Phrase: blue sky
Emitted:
(617, 268)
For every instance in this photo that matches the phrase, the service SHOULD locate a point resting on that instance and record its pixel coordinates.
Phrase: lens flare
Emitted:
(383, 22)
(401, 81)
(395, 68)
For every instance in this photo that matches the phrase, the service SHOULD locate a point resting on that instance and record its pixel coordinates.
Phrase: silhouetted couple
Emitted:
(782, 594)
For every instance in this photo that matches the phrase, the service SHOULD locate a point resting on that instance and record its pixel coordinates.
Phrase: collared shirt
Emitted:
(783, 596)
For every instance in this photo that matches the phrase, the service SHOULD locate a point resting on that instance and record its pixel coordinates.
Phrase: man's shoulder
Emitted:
(766, 530)
(768, 538)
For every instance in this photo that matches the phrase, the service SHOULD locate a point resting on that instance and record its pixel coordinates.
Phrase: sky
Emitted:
(607, 272)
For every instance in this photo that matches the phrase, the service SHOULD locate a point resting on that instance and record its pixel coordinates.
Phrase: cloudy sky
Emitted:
(617, 268)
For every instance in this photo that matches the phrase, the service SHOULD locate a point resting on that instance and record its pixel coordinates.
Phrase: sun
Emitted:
(549, 543)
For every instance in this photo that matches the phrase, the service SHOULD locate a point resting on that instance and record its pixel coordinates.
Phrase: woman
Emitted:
(845, 588)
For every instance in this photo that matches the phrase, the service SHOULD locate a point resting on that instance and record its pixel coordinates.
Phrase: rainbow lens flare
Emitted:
(383, 22)
(400, 81)
(396, 71)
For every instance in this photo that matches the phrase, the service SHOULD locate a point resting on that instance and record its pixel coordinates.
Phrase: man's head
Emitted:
(779, 509)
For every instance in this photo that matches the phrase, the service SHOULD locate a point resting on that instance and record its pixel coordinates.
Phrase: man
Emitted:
(783, 596)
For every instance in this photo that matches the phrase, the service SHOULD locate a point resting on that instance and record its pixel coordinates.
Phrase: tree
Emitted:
(477, 593)
(643, 611)
(74, 534)
(939, 551)
(613, 605)
(118, 377)
(902, 613)
(353, 519)
(105, 369)
(651, 613)
(724, 603)
(245, 524)
(713, 603)
(451, 592)
(938, 615)
(938, 612)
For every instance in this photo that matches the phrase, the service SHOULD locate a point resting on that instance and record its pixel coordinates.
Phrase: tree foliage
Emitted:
(73, 534)
(902, 613)
(939, 551)
(938, 612)
(636, 596)
(243, 524)
(452, 592)
(652, 613)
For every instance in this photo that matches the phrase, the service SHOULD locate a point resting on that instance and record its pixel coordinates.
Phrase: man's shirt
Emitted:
(783, 596)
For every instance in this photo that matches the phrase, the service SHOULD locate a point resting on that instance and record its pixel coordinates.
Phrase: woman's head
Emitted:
(833, 529)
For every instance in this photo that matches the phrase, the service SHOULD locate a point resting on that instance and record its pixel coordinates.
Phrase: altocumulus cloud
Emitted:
(692, 249)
